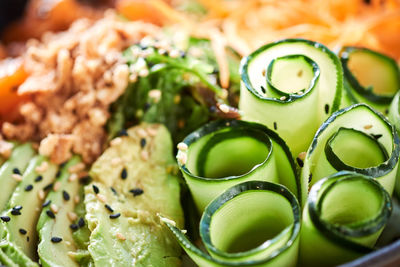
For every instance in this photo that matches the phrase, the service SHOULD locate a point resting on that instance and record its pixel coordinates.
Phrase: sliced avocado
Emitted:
(60, 254)
(133, 177)
(25, 206)
(10, 255)
(19, 159)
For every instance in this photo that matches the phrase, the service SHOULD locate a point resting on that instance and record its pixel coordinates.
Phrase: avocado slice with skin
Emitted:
(18, 161)
(133, 177)
(61, 253)
(25, 206)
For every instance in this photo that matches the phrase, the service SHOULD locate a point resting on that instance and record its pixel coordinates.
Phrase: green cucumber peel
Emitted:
(333, 234)
(375, 64)
(318, 71)
(394, 118)
(255, 153)
(280, 248)
(361, 119)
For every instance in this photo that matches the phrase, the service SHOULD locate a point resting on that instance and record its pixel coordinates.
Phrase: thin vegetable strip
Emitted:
(224, 153)
(266, 236)
(292, 86)
(343, 218)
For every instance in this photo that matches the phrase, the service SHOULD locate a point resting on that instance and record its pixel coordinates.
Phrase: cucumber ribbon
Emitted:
(344, 216)
(263, 222)
(227, 152)
(291, 86)
(357, 139)
(370, 77)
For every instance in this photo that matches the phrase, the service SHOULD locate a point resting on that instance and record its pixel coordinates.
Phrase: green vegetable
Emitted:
(138, 188)
(291, 86)
(394, 118)
(227, 152)
(357, 139)
(371, 77)
(343, 218)
(180, 92)
(59, 254)
(18, 160)
(268, 234)
(24, 207)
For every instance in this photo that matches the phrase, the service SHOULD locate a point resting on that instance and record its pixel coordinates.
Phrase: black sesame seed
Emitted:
(16, 171)
(66, 195)
(46, 203)
(62, 165)
(136, 191)
(39, 178)
(74, 226)
(109, 208)
(182, 54)
(142, 142)
(58, 174)
(263, 89)
(15, 212)
(50, 214)
(5, 218)
(386, 111)
(310, 178)
(28, 187)
(85, 180)
(122, 132)
(48, 187)
(275, 126)
(114, 191)
(376, 136)
(326, 108)
(22, 231)
(95, 189)
(81, 222)
(19, 207)
(124, 174)
(300, 162)
(56, 239)
(146, 106)
(27, 239)
(215, 71)
(115, 216)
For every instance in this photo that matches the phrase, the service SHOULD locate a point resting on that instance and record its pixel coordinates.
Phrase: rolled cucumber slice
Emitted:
(267, 236)
(227, 152)
(371, 77)
(357, 139)
(334, 233)
(291, 86)
(394, 118)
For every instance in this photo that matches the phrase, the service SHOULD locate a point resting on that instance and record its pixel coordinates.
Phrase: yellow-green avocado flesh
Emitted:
(133, 177)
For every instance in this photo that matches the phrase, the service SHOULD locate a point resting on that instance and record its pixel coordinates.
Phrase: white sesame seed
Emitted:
(17, 177)
(142, 133)
(41, 194)
(224, 108)
(174, 53)
(101, 197)
(144, 155)
(76, 199)
(155, 94)
(143, 72)
(369, 126)
(184, 231)
(120, 236)
(42, 167)
(72, 216)
(133, 78)
(283, 98)
(151, 131)
(182, 158)
(57, 186)
(73, 177)
(182, 146)
(116, 161)
(116, 141)
(54, 208)
(76, 168)
(302, 155)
